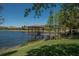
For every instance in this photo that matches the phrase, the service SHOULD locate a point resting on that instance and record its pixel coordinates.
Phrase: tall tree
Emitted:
(68, 16)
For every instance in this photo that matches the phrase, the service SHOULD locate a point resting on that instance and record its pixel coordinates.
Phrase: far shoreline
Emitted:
(15, 30)
(23, 30)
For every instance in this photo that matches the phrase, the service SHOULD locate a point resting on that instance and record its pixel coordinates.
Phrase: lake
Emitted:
(13, 38)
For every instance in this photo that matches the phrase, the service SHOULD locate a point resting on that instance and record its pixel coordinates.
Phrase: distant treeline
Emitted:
(13, 28)
(25, 27)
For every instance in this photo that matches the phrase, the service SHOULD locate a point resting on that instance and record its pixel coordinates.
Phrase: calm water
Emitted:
(11, 38)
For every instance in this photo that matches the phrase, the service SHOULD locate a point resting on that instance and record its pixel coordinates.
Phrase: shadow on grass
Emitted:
(8, 53)
(55, 50)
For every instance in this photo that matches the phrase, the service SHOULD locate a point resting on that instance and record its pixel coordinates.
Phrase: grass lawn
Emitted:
(46, 48)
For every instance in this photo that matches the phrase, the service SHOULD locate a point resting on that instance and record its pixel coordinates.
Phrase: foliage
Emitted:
(55, 50)
(38, 9)
(68, 15)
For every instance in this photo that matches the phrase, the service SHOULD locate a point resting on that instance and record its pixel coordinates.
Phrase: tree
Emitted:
(38, 9)
(50, 22)
(68, 16)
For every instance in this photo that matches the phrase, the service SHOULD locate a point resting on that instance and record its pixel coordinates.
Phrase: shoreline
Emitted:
(24, 30)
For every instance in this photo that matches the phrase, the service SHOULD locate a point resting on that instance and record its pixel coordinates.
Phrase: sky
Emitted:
(14, 15)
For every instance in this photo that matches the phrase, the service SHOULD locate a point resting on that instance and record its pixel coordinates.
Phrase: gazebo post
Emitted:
(28, 32)
(42, 32)
(32, 32)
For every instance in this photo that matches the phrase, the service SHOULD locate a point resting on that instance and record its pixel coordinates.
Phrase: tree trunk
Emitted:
(71, 33)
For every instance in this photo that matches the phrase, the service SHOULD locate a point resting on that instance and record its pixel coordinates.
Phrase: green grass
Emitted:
(49, 47)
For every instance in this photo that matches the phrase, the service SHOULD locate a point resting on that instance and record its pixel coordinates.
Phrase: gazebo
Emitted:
(36, 31)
